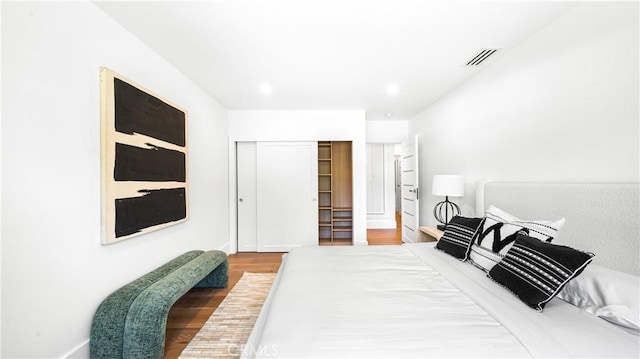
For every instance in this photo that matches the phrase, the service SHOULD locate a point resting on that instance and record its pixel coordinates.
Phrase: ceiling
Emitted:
(331, 54)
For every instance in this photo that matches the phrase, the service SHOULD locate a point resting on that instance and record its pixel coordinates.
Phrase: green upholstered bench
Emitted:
(131, 322)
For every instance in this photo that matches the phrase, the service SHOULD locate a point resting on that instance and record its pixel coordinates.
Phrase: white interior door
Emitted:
(287, 190)
(247, 196)
(410, 190)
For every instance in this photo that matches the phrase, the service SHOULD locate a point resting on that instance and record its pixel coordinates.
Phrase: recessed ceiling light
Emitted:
(392, 89)
(265, 88)
(388, 115)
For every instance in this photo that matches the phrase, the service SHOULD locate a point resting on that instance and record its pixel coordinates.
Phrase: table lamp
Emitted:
(447, 185)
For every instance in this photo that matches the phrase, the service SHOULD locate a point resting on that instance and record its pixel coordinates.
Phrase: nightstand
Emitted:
(430, 234)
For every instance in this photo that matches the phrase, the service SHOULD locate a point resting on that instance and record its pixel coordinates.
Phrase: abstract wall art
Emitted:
(144, 160)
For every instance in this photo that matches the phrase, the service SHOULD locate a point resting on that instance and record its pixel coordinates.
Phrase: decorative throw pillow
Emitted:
(458, 236)
(536, 271)
(498, 232)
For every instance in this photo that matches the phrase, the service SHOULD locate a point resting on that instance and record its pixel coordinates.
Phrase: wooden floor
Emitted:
(190, 312)
(386, 236)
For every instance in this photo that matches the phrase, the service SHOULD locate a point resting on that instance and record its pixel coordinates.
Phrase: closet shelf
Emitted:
(335, 192)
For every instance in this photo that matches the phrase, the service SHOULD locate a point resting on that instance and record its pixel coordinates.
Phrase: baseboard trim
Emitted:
(407, 240)
(381, 224)
(79, 352)
(226, 248)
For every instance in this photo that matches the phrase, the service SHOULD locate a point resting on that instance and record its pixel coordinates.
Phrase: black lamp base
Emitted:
(444, 211)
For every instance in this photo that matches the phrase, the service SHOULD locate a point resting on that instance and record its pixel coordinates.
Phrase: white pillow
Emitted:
(489, 248)
(609, 294)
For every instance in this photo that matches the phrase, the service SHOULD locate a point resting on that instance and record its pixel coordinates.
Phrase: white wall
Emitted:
(54, 271)
(303, 126)
(560, 107)
(0, 188)
(391, 131)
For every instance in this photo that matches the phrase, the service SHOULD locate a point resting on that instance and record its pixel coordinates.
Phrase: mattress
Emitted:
(414, 301)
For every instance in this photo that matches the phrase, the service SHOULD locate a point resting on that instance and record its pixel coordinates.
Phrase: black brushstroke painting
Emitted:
(139, 112)
(148, 168)
(154, 207)
(155, 164)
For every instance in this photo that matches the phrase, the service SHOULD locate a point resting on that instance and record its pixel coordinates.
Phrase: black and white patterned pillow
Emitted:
(536, 271)
(458, 236)
(498, 232)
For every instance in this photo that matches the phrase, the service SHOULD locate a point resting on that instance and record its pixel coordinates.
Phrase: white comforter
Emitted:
(414, 301)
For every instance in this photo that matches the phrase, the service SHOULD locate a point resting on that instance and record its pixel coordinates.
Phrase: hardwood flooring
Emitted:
(386, 236)
(190, 312)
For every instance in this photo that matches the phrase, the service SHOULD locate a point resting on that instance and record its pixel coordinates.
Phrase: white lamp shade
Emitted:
(448, 185)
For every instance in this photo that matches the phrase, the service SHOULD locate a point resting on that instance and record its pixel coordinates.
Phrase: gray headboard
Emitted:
(600, 218)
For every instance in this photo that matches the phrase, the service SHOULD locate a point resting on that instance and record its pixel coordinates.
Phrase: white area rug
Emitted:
(229, 326)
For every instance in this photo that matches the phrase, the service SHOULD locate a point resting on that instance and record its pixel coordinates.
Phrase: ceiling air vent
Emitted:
(481, 57)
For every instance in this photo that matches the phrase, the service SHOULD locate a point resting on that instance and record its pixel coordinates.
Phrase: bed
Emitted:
(414, 300)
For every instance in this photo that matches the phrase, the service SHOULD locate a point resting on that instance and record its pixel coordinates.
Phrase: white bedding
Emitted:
(414, 301)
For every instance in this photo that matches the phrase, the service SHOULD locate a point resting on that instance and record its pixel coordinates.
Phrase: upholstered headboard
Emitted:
(600, 218)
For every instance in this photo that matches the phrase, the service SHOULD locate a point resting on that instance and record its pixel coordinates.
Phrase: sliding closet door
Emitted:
(287, 189)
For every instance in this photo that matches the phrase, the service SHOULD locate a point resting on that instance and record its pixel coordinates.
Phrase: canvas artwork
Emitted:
(144, 160)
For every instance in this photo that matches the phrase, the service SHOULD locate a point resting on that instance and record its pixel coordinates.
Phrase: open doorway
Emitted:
(383, 193)
(397, 175)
